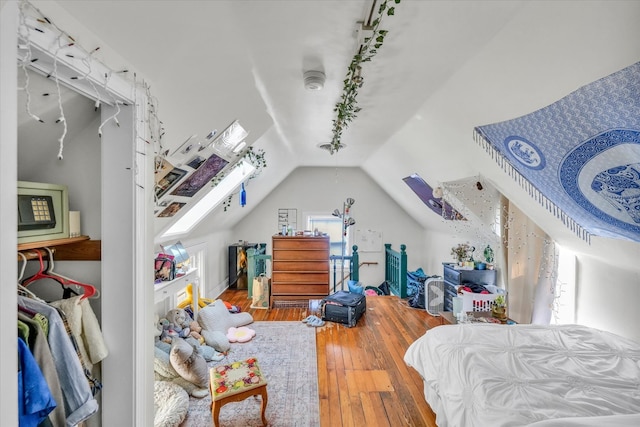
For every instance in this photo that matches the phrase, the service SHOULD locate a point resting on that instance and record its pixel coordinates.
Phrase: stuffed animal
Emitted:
(195, 331)
(202, 302)
(180, 321)
(169, 331)
(216, 320)
(164, 371)
(189, 363)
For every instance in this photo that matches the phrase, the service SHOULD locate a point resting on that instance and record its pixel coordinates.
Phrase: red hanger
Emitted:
(89, 290)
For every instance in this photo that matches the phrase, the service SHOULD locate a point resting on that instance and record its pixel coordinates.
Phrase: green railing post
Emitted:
(256, 265)
(403, 268)
(251, 270)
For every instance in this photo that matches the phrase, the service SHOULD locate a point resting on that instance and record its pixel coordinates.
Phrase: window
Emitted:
(212, 199)
(332, 226)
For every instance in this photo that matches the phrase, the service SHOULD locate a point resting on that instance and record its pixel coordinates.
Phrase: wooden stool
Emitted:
(235, 382)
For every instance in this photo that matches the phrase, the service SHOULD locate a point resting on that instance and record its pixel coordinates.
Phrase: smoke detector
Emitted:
(314, 80)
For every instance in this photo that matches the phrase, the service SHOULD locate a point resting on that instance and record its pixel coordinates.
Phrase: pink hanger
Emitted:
(89, 290)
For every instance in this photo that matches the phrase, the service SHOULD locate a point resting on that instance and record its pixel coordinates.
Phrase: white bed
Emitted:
(489, 375)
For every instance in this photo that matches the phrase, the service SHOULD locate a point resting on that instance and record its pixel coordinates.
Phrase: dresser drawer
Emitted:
(300, 255)
(305, 243)
(452, 276)
(299, 289)
(310, 265)
(450, 291)
(294, 277)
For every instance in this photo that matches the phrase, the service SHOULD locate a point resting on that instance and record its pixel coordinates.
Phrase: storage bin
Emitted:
(477, 302)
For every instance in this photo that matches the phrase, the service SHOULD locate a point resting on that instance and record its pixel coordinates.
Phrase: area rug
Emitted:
(286, 352)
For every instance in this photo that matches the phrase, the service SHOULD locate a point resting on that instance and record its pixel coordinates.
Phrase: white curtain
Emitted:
(545, 294)
(531, 258)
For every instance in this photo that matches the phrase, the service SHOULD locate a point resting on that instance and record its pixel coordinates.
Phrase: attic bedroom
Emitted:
(474, 125)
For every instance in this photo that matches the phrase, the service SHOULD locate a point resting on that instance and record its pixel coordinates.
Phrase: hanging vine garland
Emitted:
(347, 108)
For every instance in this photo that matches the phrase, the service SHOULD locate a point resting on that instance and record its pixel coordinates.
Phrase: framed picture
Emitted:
(196, 162)
(198, 179)
(162, 168)
(169, 180)
(171, 210)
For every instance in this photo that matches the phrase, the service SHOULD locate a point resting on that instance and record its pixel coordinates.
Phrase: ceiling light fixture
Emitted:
(314, 80)
(328, 146)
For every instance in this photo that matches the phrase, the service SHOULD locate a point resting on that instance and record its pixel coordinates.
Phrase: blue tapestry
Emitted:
(580, 156)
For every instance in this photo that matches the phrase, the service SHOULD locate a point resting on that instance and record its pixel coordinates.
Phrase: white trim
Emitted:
(143, 270)
(127, 397)
(8, 216)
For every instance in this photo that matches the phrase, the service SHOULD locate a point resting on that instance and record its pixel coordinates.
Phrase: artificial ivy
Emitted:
(347, 108)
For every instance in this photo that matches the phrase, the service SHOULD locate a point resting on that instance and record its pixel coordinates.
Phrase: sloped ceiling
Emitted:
(445, 67)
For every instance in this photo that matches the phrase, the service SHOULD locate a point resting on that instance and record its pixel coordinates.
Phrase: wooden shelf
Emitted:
(79, 248)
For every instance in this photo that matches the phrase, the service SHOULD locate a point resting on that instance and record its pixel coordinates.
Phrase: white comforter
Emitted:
(489, 375)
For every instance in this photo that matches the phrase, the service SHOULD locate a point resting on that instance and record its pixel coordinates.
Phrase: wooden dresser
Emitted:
(300, 268)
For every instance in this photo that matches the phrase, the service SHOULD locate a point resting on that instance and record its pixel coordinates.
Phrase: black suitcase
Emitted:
(343, 307)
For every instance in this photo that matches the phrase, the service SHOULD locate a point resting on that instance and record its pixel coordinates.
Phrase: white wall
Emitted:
(607, 297)
(216, 258)
(321, 190)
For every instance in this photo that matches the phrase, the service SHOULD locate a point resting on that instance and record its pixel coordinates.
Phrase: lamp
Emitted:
(347, 221)
(314, 80)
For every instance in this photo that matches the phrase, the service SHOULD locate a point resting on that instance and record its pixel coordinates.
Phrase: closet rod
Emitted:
(73, 249)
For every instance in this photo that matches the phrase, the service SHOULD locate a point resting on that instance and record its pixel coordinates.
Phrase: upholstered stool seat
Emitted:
(235, 382)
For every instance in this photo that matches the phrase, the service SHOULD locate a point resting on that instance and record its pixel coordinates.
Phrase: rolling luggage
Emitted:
(343, 307)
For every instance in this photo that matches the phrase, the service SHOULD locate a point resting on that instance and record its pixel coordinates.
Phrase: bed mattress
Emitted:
(497, 375)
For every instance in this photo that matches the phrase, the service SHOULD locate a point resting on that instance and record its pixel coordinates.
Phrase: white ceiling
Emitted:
(445, 67)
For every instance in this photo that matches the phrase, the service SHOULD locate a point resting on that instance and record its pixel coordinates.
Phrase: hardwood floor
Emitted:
(362, 377)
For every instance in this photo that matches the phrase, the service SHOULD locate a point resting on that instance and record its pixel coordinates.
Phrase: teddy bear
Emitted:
(215, 320)
(180, 321)
(177, 323)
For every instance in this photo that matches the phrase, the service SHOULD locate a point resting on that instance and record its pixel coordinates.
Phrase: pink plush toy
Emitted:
(241, 334)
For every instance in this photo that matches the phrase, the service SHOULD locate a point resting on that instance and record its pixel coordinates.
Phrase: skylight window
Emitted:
(206, 204)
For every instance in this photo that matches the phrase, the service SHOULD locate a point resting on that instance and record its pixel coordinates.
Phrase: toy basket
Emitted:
(477, 302)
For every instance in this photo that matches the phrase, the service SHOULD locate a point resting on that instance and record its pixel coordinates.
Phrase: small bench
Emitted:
(235, 382)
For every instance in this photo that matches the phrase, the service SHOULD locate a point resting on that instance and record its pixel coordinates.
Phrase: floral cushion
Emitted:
(235, 377)
(241, 334)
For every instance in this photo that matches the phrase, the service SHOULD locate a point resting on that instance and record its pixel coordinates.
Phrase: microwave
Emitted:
(43, 212)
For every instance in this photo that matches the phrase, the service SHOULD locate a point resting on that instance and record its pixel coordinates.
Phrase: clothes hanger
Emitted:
(21, 289)
(24, 265)
(89, 290)
(67, 291)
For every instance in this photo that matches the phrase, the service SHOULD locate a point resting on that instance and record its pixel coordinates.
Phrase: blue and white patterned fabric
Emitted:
(580, 157)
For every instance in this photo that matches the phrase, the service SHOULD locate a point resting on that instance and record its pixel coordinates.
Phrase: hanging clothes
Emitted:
(37, 343)
(85, 328)
(79, 402)
(35, 401)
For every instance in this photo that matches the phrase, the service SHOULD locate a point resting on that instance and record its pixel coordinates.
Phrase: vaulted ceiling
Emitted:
(445, 67)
